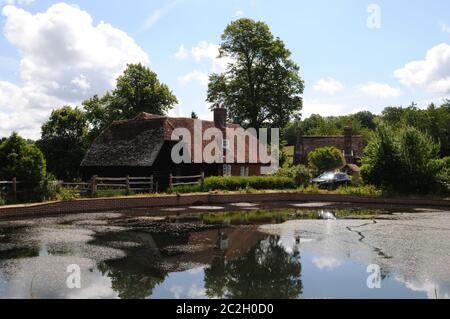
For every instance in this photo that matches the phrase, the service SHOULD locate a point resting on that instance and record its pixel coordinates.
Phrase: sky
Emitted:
(353, 54)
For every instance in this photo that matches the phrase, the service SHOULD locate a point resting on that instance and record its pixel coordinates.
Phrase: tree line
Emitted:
(261, 87)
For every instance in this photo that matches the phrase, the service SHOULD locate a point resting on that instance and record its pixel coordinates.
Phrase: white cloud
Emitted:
(328, 86)
(204, 51)
(210, 51)
(17, 2)
(445, 28)
(158, 14)
(432, 74)
(324, 108)
(65, 58)
(182, 53)
(195, 75)
(239, 13)
(327, 263)
(379, 90)
(153, 18)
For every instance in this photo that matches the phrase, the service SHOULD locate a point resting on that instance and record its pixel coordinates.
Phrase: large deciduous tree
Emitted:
(139, 90)
(64, 142)
(261, 85)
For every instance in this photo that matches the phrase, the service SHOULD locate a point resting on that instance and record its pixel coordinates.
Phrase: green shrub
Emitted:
(325, 159)
(21, 160)
(442, 167)
(49, 188)
(401, 159)
(300, 174)
(235, 183)
(2, 200)
(364, 191)
(186, 189)
(66, 194)
(312, 188)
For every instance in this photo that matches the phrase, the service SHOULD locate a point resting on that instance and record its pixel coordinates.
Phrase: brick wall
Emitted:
(111, 204)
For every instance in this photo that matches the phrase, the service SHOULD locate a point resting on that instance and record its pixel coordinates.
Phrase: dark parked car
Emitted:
(332, 180)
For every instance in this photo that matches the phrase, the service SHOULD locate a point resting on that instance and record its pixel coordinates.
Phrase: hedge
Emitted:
(235, 183)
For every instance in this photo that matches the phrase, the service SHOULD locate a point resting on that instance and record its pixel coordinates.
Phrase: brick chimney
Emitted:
(348, 144)
(220, 115)
(298, 149)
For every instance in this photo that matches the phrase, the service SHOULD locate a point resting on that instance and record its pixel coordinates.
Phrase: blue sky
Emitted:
(52, 53)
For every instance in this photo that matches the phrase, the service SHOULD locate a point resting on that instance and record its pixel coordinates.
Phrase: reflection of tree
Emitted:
(215, 278)
(267, 271)
(19, 253)
(127, 282)
(136, 275)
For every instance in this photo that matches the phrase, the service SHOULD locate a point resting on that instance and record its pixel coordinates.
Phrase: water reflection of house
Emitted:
(235, 242)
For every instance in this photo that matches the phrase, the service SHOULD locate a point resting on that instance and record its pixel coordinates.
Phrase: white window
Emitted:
(227, 170)
(245, 171)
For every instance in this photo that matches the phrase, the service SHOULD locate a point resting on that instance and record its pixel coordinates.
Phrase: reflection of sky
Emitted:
(183, 285)
(348, 280)
(334, 263)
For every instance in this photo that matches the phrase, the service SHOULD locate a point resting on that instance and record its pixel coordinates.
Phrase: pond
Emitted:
(238, 253)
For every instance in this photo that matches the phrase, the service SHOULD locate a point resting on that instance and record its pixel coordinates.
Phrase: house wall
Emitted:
(308, 144)
(254, 169)
(164, 166)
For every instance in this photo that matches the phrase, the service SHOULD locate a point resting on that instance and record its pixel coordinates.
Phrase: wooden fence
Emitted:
(96, 184)
(186, 180)
(135, 184)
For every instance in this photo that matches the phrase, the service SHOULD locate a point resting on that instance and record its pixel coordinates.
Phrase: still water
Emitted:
(284, 253)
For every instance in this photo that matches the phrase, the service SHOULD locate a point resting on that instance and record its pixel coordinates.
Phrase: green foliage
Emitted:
(114, 193)
(139, 90)
(2, 199)
(187, 189)
(21, 160)
(300, 174)
(49, 188)
(64, 142)
(366, 119)
(363, 123)
(401, 160)
(66, 194)
(433, 121)
(325, 159)
(262, 85)
(442, 167)
(362, 191)
(99, 112)
(235, 183)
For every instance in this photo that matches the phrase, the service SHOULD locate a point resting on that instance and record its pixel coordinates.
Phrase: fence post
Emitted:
(170, 182)
(202, 183)
(14, 188)
(152, 188)
(94, 185)
(128, 183)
